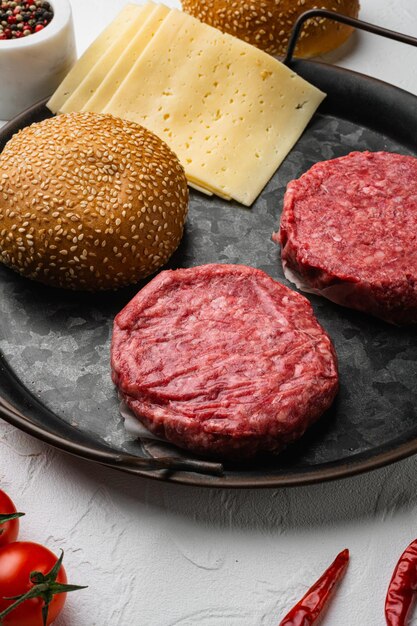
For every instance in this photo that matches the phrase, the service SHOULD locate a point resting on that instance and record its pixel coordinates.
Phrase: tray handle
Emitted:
(118, 460)
(343, 19)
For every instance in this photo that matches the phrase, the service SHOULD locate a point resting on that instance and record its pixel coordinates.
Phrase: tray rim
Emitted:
(103, 454)
(326, 472)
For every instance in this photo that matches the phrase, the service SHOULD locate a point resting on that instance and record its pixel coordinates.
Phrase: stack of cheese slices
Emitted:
(228, 110)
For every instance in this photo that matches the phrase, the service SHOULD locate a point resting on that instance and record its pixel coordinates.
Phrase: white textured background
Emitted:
(163, 555)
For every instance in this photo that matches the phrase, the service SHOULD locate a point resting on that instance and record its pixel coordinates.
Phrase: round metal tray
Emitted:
(55, 377)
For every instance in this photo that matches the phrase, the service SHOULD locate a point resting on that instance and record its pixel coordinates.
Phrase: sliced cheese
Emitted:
(123, 62)
(91, 56)
(200, 189)
(97, 74)
(230, 111)
(202, 186)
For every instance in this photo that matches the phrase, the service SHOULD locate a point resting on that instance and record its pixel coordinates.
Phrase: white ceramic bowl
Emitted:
(32, 67)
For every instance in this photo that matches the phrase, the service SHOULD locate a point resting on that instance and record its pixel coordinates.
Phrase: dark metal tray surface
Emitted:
(54, 366)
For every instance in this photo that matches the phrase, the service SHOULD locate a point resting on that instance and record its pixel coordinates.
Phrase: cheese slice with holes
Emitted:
(92, 55)
(98, 73)
(230, 111)
(131, 50)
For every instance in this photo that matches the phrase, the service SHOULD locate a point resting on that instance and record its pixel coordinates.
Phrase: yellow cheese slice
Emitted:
(105, 63)
(91, 56)
(206, 190)
(200, 189)
(201, 186)
(230, 111)
(123, 62)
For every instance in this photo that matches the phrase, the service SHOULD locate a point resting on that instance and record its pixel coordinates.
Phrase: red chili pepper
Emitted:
(402, 588)
(311, 606)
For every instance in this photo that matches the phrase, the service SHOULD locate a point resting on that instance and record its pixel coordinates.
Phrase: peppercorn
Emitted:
(20, 18)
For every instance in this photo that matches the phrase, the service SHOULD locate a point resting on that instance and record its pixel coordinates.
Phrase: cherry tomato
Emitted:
(17, 561)
(8, 530)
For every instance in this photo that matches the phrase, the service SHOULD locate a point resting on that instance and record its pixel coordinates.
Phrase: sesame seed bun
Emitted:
(89, 202)
(267, 24)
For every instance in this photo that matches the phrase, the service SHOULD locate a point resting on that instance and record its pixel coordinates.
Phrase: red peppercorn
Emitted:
(8, 33)
(18, 34)
(17, 10)
(3, 36)
(11, 19)
(38, 28)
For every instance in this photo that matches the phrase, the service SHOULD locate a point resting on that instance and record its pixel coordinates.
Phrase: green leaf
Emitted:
(8, 517)
(52, 575)
(61, 588)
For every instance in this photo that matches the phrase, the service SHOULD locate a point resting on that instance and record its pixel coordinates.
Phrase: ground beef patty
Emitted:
(349, 230)
(222, 360)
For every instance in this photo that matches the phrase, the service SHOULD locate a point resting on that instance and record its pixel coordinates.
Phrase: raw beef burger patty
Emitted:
(223, 361)
(349, 231)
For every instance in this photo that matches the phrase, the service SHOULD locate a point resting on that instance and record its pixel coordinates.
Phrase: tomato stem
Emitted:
(36, 592)
(45, 587)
